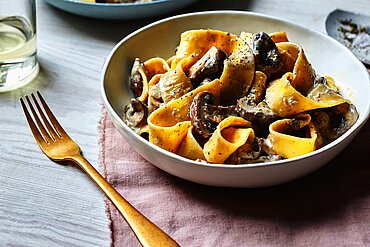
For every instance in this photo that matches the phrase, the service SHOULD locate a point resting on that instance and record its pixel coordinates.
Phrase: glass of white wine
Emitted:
(18, 62)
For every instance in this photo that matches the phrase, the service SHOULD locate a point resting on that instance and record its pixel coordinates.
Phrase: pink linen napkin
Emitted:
(330, 207)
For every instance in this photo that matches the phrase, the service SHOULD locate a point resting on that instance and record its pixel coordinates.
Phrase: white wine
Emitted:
(14, 44)
(18, 63)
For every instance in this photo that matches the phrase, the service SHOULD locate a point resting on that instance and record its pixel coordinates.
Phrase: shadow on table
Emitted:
(41, 81)
(115, 30)
(327, 193)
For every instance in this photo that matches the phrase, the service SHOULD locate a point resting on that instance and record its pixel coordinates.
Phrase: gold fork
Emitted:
(58, 146)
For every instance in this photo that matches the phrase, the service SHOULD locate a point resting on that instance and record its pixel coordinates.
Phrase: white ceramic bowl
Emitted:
(327, 56)
(119, 11)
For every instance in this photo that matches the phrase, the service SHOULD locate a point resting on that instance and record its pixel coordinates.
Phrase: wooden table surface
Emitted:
(46, 204)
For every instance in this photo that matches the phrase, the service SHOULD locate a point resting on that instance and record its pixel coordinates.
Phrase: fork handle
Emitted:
(146, 231)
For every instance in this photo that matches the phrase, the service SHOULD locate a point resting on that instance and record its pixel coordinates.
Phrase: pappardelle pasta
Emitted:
(236, 99)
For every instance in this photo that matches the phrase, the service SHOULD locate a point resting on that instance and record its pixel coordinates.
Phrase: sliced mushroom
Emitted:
(267, 56)
(136, 78)
(135, 114)
(266, 154)
(245, 153)
(327, 81)
(349, 117)
(199, 113)
(264, 158)
(335, 121)
(210, 65)
(259, 115)
(261, 152)
(155, 98)
(205, 115)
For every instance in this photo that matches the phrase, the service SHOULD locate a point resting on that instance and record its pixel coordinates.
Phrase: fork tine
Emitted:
(35, 131)
(48, 126)
(51, 116)
(39, 124)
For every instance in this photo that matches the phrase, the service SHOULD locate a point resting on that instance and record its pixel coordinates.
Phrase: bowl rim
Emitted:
(356, 127)
(117, 4)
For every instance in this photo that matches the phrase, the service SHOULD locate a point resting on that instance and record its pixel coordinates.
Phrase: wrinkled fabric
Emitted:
(330, 207)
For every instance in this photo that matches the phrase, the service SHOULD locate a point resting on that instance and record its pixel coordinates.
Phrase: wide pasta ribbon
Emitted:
(258, 88)
(190, 148)
(231, 133)
(237, 75)
(196, 43)
(238, 69)
(285, 100)
(147, 71)
(155, 66)
(294, 60)
(279, 37)
(168, 86)
(154, 95)
(174, 83)
(288, 145)
(169, 124)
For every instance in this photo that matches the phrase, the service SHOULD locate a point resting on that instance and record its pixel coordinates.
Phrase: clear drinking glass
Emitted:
(18, 63)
